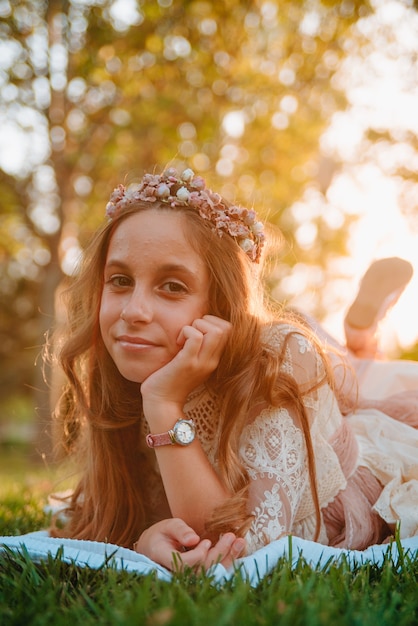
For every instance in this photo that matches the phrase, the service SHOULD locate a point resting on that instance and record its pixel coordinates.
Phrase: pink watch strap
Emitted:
(163, 439)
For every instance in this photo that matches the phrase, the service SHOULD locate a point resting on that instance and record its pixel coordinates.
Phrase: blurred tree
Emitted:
(238, 90)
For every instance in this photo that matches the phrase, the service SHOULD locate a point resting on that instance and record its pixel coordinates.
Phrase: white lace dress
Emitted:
(359, 459)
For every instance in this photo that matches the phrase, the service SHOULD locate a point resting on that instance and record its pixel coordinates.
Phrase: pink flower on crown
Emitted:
(187, 189)
(237, 229)
(171, 172)
(148, 194)
(110, 210)
(198, 183)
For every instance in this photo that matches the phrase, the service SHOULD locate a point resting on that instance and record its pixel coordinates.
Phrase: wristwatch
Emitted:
(182, 433)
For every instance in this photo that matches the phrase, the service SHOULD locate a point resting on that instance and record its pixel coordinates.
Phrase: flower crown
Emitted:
(190, 190)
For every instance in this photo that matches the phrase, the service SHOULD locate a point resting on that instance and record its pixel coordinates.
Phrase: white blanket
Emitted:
(39, 545)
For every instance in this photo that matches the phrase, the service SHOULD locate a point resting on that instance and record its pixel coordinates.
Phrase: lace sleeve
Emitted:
(273, 451)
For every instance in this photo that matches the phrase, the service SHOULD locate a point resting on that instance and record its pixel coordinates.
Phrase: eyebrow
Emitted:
(163, 269)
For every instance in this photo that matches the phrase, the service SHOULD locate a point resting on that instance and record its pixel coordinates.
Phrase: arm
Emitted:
(191, 484)
(274, 454)
(171, 542)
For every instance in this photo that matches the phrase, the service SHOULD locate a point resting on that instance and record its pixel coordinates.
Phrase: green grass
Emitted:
(24, 489)
(56, 593)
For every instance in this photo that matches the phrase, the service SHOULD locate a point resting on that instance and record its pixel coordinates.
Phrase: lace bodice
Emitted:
(348, 452)
(273, 451)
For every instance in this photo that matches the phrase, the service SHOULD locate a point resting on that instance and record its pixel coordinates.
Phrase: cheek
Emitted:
(205, 308)
(105, 315)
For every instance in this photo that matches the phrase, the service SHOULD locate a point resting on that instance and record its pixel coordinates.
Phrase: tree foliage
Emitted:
(238, 90)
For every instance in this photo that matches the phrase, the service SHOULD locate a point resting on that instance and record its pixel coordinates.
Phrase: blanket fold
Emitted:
(252, 568)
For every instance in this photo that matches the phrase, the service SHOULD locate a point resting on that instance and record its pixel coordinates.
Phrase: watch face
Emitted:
(184, 432)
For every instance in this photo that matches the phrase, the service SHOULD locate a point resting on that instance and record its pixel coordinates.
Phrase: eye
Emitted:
(119, 280)
(174, 287)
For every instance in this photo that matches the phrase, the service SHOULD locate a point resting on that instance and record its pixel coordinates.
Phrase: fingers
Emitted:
(238, 548)
(159, 541)
(165, 542)
(195, 557)
(175, 529)
(225, 551)
(209, 324)
(206, 337)
(200, 349)
(216, 326)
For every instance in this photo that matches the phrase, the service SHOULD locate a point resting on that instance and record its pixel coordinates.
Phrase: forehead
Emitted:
(155, 233)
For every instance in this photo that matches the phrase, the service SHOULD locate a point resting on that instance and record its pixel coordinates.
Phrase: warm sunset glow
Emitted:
(382, 231)
(379, 78)
(383, 95)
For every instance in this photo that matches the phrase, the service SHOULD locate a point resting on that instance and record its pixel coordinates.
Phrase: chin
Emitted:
(138, 370)
(137, 376)
(132, 378)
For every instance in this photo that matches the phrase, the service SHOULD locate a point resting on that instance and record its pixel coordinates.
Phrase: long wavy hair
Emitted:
(99, 412)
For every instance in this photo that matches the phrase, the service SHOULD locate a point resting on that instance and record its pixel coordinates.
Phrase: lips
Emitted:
(135, 343)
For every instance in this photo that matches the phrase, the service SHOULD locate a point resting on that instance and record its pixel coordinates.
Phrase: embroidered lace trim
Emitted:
(273, 451)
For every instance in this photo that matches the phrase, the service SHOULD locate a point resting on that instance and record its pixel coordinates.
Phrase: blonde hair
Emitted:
(99, 411)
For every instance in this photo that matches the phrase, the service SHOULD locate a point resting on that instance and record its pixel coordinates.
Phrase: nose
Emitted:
(137, 308)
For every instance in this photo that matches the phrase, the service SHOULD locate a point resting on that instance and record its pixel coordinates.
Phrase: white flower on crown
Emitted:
(163, 190)
(257, 228)
(187, 175)
(246, 244)
(183, 194)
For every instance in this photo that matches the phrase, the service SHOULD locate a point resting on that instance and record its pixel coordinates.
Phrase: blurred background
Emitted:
(305, 109)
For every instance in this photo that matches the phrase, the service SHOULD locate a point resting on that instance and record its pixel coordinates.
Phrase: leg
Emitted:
(379, 289)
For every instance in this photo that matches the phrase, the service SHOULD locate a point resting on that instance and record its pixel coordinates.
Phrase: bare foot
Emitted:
(379, 290)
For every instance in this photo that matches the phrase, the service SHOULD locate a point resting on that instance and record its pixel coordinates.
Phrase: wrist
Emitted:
(183, 434)
(162, 414)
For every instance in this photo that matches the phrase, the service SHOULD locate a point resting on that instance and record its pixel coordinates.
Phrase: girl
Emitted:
(191, 399)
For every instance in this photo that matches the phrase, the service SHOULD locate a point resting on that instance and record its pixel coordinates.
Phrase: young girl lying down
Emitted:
(204, 420)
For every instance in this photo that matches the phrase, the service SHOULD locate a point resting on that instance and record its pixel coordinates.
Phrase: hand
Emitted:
(201, 346)
(172, 542)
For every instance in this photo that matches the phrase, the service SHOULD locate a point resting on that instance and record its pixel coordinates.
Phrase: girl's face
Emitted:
(154, 284)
